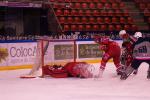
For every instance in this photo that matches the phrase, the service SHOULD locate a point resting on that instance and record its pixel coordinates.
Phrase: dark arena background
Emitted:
(53, 17)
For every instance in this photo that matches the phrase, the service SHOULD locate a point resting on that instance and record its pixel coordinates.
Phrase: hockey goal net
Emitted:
(52, 52)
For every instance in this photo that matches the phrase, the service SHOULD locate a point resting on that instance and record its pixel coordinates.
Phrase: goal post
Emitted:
(56, 51)
(52, 52)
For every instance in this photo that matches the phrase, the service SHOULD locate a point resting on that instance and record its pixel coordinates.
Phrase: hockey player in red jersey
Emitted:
(111, 50)
(72, 69)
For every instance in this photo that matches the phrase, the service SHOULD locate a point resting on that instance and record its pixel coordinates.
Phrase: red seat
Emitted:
(115, 6)
(80, 27)
(134, 27)
(81, 12)
(92, 5)
(88, 12)
(84, 5)
(73, 28)
(92, 20)
(88, 27)
(69, 20)
(95, 27)
(107, 20)
(118, 12)
(104, 1)
(118, 1)
(68, 0)
(95, 13)
(62, 19)
(122, 20)
(126, 12)
(77, 20)
(129, 20)
(114, 20)
(118, 27)
(103, 13)
(99, 5)
(103, 27)
(99, 20)
(110, 13)
(111, 27)
(77, 5)
(107, 5)
(74, 12)
(66, 28)
(127, 27)
(59, 12)
(95, 0)
(121, 5)
(112, 1)
(66, 12)
(84, 19)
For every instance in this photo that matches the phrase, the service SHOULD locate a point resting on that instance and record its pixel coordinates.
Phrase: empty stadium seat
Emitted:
(99, 20)
(118, 27)
(103, 27)
(111, 27)
(95, 27)
(107, 20)
(73, 27)
(84, 5)
(100, 6)
(88, 12)
(127, 27)
(66, 12)
(62, 19)
(74, 12)
(92, 5)
(77, 19)
(81, 12)
(77, 5)
(114, 20)
(122, 20)
(69, 20)
(92, 20)
(129, 20)
(95, 13)
(66, 27)
(88, 27)
(80, 27)
(115, 6)
(59, 12)
(84, 19)
(110, 13)
(107, 5)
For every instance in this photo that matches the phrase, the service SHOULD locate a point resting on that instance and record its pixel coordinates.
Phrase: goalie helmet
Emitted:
(122, 32)
(137, 34)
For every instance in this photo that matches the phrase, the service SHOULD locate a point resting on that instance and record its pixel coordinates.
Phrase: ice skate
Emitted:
(148, 74)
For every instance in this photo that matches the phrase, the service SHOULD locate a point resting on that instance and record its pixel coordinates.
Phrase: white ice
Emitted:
(109, 87)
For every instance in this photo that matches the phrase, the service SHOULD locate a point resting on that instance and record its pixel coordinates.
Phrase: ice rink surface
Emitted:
(109, 87)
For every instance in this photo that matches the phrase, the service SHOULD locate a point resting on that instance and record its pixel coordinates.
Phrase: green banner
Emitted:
(89, 51)
(62, 52)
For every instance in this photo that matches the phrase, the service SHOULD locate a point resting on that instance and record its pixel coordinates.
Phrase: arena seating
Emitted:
(93, 15)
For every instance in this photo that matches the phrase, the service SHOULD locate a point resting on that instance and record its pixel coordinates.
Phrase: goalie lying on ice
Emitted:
(72, 69)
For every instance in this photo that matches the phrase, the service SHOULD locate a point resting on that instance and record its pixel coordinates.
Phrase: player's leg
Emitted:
(148, 72)
(134, 65)
(104, 60)
(119, 68)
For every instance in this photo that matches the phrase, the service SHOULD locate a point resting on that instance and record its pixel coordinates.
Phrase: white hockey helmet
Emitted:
(122, 32)
(138, 34)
